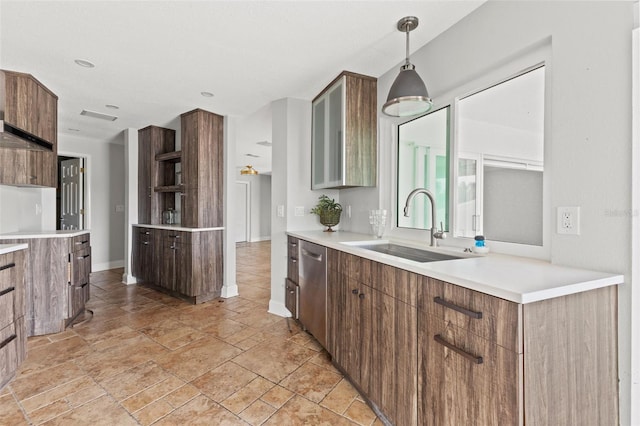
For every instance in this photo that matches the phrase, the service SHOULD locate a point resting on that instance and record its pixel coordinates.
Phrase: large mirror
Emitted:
(500, 151)
(423, 162)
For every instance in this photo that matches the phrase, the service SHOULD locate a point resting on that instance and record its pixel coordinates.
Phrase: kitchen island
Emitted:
(58, 264)
(491, 339)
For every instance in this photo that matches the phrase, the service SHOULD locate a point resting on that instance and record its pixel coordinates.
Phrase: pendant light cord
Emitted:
(407, 31)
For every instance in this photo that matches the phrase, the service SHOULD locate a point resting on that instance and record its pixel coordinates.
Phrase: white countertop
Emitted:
(10, 248)
(178, 228)
(518, 279)
(43, 234)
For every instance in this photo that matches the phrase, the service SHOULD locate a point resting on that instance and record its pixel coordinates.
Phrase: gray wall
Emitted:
(260, 214)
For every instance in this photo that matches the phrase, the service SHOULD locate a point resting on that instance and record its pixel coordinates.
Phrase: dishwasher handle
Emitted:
(311, 254)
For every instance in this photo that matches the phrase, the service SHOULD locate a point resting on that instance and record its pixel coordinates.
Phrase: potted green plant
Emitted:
(329, 212)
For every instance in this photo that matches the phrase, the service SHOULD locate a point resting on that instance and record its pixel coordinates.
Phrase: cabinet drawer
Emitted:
(292, 259)
(492, 318)
(12, 350)
(465, 379)
(180, 237)
(291, 298)
(80, 241)
(7, 302)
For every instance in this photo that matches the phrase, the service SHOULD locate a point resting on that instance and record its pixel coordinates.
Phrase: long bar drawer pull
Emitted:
(83, 257)
(84, 285)
(10, 265)
(7, 290)
(467, 355)
(8, 340)
(467, 312)
(81, 242)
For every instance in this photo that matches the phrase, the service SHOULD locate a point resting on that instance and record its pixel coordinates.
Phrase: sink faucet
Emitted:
(435, 234)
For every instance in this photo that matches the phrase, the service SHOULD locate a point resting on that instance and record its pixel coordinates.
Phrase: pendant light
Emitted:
(248, 170)
(408, 94)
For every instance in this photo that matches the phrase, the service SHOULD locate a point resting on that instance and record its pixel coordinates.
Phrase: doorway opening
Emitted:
(70, 193)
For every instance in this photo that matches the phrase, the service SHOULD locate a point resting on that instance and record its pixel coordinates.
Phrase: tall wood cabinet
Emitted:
(344, 133)
(32, 107)
(13, 338)
(202, 169)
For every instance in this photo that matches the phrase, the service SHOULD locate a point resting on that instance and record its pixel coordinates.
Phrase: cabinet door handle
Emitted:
(7, 266)
(467, 312)
(81, 242)
(84, 285)
(293, 244)
(146, 243)
(6, 341)
(83, 257)
(7, 290)
(174, 236)
(361, 296)
(475, 359)
(355, 291)
(293, 260)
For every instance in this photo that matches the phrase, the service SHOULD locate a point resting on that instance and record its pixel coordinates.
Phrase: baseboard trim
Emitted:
(256, 240)
(129, 279)
(107, 265)
(229, 291)
(278, 308)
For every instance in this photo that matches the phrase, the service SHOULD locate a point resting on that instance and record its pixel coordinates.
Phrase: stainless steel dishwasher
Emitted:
(312, 279)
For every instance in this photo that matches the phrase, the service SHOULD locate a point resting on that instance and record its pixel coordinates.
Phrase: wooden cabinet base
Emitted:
(201, 298)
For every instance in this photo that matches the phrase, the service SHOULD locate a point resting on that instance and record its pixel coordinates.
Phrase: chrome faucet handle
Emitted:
(440, 234)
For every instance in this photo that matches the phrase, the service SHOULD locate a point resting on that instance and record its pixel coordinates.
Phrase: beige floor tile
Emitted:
(256, 413)
(49, 412)
(340, 397)
(27, 385)
(241, 399)
(196, 358)
(134, 380)
(57, 393)
(311, 381)
(152, 394)
(153, 412)
(182, 395)
(277, 396)
(103, 411)
(171, 333)
(223, 381)
(224, 328)
(360, 413)
(301, 411)
(10, 413)
(43, 357)
(200, 411)
(274, 359)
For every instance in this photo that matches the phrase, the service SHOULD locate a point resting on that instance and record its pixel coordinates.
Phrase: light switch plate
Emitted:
(299, 211)
(280, 211)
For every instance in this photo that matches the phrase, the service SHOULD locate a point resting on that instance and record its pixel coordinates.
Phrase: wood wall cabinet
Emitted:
(13, 339)
(180, 263)
(156, 179)
(292, 289)
(31, 107)
(202, 169)
(57, 278)
(344, 133)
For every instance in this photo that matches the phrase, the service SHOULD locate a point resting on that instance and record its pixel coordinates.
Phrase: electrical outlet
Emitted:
(299, 211)
(569, 220)
(280, 211)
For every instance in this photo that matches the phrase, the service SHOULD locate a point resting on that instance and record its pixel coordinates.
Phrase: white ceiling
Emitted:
(154, 58)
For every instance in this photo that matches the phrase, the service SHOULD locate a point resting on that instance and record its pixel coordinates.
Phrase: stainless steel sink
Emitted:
(410, 253)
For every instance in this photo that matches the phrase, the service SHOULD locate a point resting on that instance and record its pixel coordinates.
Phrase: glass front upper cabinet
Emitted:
(344, 133)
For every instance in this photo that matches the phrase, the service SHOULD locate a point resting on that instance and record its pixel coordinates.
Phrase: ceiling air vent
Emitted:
(99, 115)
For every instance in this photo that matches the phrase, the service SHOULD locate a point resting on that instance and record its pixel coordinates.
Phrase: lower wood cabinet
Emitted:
(57, 280)
(428, 352)
(186, 264)
(13, 339)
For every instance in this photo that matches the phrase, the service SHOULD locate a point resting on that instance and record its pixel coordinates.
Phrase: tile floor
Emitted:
(147, 358)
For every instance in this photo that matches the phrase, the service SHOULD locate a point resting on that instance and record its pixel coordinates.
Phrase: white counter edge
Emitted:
(595, 279)
(43, 234)
(10, 248)
(177, 228)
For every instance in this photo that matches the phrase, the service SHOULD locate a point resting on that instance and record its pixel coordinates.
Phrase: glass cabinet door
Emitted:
(327, 139)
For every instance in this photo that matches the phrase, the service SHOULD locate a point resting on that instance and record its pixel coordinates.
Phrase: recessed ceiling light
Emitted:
(252, 155)
(207, 94)
(112, 106)
(84, 63)
(264, 143)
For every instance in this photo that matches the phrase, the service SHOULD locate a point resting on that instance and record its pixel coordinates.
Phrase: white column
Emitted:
(130, 198)
(229, 286)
